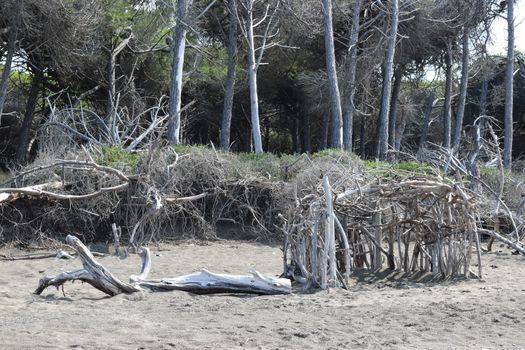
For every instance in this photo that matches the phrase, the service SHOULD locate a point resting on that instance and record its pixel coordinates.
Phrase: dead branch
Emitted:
(500, 238)
(200, 282)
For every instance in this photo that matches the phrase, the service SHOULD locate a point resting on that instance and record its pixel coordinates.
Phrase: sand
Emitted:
(375, 313)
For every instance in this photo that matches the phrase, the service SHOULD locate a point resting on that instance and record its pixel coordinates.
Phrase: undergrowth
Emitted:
(112, 155)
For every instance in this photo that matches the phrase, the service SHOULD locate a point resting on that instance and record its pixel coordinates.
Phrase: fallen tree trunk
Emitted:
(199, 282)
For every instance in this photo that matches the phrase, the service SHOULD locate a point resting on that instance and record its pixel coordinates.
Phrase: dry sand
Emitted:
(387, 313)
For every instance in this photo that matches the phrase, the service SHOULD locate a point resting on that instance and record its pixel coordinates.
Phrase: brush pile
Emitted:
(397, 220)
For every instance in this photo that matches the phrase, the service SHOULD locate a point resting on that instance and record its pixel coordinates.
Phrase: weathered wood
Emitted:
(199, 282)
(92, 272)
(11, 194)
(500, 238)
(207, 282)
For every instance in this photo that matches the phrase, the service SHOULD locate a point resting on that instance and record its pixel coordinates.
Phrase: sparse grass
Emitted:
(115, 155)
(188, 149)
(335, 153)
(407, 167)
(267, 165)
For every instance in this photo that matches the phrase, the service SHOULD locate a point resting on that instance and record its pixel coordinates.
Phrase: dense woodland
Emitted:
(379, 78)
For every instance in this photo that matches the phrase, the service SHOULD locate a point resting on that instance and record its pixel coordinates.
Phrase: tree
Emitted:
(177, 50)
(462, 89)
(230, 76)
(333, 85)
(270, 31)
(11, 48)
(349, 107)
(392, 118)
(51, 44)
(447, 112)
(23, 141)
(509, 87)
(382, 133)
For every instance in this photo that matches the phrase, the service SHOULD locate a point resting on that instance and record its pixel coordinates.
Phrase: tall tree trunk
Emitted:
(325, 123)
(307, 138)
(483, 102)
(177, 51)
(509, 87)
(294, 133)
(230, 76)
(252, 80)
(11, 47)
(362, 136)
(400, 132)
(426, 120)
(111, 108)
(447, 112)
(462, 90)
(392, 119)
(349, 107)
(382, 129)
(333, 86)
(25, 129)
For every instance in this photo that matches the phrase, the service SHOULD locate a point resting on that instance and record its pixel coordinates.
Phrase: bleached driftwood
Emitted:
(500, 238)
(200, 282)
(11, 194)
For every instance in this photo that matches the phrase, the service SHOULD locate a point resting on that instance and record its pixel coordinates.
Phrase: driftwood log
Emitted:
(199, 282)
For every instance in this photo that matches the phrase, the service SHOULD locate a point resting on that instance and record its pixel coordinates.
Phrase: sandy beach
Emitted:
(388, 313)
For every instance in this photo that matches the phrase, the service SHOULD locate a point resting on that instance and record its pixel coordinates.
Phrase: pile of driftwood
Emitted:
(203, 281)
(164, 196)
(416, 223)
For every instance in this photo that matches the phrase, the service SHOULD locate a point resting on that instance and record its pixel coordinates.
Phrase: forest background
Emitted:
(372, 77)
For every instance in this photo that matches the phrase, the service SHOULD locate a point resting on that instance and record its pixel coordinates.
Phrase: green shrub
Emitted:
(116, 155)
(407, 166)
(261, 164)
(187, 149)
(334, 153)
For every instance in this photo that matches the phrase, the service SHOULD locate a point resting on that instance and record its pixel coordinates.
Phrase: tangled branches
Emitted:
(416, 223)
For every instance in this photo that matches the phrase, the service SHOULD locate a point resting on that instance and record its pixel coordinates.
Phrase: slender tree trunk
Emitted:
(349, 107)
(483, 103)
(509, 87)
(324, 130)
(294, 133)
(110, 108)
(25, 129)
(177, 51)
(307, 134)
(447, 112)
(462, 90)
(400, 132)
(382, 132)
(426, 120)
(252, 80)
(362, 137)
(333, 86)
(392, 119)
(11, 47)
(230, 76)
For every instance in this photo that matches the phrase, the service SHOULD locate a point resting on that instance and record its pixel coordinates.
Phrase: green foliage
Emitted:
(409, 167)
(263, 164)
(116, 155)
(335, 153)
(188, 149)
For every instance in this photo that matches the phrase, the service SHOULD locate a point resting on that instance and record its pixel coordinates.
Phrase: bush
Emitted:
(115, 155)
